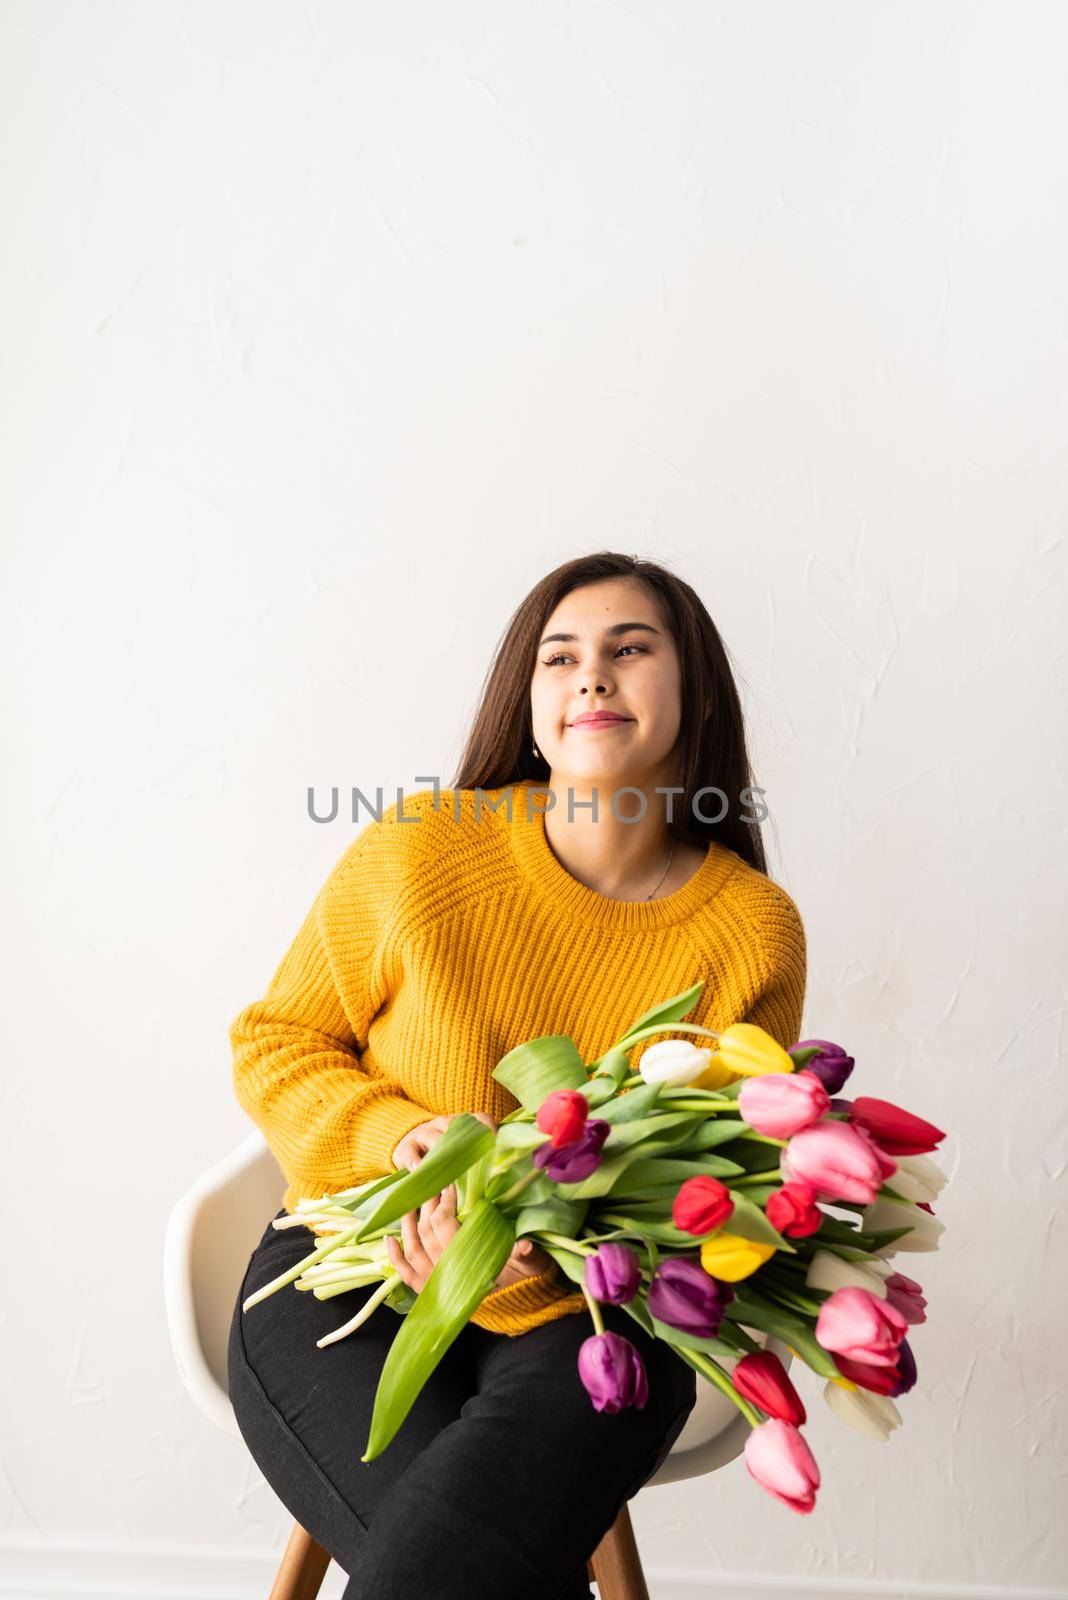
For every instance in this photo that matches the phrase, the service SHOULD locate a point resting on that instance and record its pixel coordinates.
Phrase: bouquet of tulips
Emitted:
(698, 1193)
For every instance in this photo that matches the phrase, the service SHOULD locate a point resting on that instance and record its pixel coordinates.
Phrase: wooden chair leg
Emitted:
(616, 1565)
(303, 1568)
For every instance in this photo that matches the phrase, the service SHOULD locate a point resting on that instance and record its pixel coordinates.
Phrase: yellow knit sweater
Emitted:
(440, 941)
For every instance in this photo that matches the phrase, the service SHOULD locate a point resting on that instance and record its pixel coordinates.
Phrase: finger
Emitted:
(413, 1247)
(427, 1233)
(444, 1217)
(397, 1261)
(421, 1234)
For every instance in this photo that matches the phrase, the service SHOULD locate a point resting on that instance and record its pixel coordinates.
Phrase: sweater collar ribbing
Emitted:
(573, 899)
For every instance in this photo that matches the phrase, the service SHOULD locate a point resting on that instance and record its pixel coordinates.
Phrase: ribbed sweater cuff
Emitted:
(383, 1124)
(527, 1304)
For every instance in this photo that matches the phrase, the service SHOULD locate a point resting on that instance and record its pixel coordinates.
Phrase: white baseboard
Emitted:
(31, 1570)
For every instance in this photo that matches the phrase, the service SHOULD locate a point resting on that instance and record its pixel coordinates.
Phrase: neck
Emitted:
(614, 856)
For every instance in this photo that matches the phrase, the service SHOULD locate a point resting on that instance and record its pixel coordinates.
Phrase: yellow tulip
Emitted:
(714, 1076)
(732, 1258)
(749, 1052)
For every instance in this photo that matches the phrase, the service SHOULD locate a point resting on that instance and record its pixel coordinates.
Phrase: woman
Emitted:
(432, 950)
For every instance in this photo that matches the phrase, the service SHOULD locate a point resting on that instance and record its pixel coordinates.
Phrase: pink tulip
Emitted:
(835, 1160)
(780, 1104)
(781, 1462)
(907, 1296)
(887, 1164)
(861, 1326)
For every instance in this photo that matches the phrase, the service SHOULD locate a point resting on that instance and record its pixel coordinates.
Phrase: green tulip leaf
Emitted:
(538, 1068)
(462, 1276)
(465, 1139)
(665, 1014)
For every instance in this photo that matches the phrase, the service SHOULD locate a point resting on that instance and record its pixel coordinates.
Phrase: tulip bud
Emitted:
(860, 1326)
(874, 1415)
(906, 1365)
(673, 1062)
(749, 1051)
(612, 1372)
(731, 1258)
(762, 1378)
(685, 1297)
(907, 1295)
(924, 1233)
(835, 1160)
(866, 1375)
(831, 1065)
(702, 1204)
(613, 1274)
(570, 1163)
(562, 1115)
(781, 1462)
(918, 1178)
(780, 1106)
(898, 1132)
(793, 1212)
(829, 1272)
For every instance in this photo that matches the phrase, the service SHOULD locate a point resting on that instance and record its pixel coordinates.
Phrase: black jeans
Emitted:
(501, 1481)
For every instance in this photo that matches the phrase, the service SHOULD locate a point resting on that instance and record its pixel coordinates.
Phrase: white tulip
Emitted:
(874, 1415)
(926, 1230)
(917, 1178)
(828, 1271)
(673, 1061)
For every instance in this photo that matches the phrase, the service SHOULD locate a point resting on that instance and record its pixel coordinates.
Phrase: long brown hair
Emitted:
(498, 751)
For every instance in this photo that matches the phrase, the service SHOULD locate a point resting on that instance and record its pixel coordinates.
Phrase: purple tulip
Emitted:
(613, 1274)
(686, 1297)
(906, 1365)
(612, 1372)
(570, 1163)
(832, 1066)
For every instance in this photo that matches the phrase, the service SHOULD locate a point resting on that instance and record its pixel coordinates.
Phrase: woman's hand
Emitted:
(525, 1261)
(410, 1150)
(425, 1234)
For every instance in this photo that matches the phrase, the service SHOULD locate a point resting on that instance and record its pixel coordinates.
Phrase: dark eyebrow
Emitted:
(617, 627)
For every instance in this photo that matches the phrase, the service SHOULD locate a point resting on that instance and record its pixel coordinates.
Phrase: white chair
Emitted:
(212, 1231)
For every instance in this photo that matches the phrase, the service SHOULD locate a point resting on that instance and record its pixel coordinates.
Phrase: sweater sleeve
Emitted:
(778, 1008)
(297, 1074)
(528, 1303)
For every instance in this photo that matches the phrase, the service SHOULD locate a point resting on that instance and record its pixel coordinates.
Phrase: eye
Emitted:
(641, 648)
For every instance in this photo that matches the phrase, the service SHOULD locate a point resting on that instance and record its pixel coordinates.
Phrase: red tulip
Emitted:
(880, 1380)
(792, 1210)
(562, 1115)
(761, 1378)
(907, 1295)
(702, 1205)
(897, 1131)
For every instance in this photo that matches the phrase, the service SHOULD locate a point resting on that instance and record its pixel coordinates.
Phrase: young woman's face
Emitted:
(619, 658)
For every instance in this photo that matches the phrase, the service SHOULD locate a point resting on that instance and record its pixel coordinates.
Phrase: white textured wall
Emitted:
(326, 329)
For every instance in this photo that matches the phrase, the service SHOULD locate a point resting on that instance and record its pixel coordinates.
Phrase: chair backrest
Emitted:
(213, 1230)
(211, 1233)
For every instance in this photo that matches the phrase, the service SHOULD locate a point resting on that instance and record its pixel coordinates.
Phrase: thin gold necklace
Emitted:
(664, 874)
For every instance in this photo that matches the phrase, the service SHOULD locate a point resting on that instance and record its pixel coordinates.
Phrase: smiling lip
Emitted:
(598, 719)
